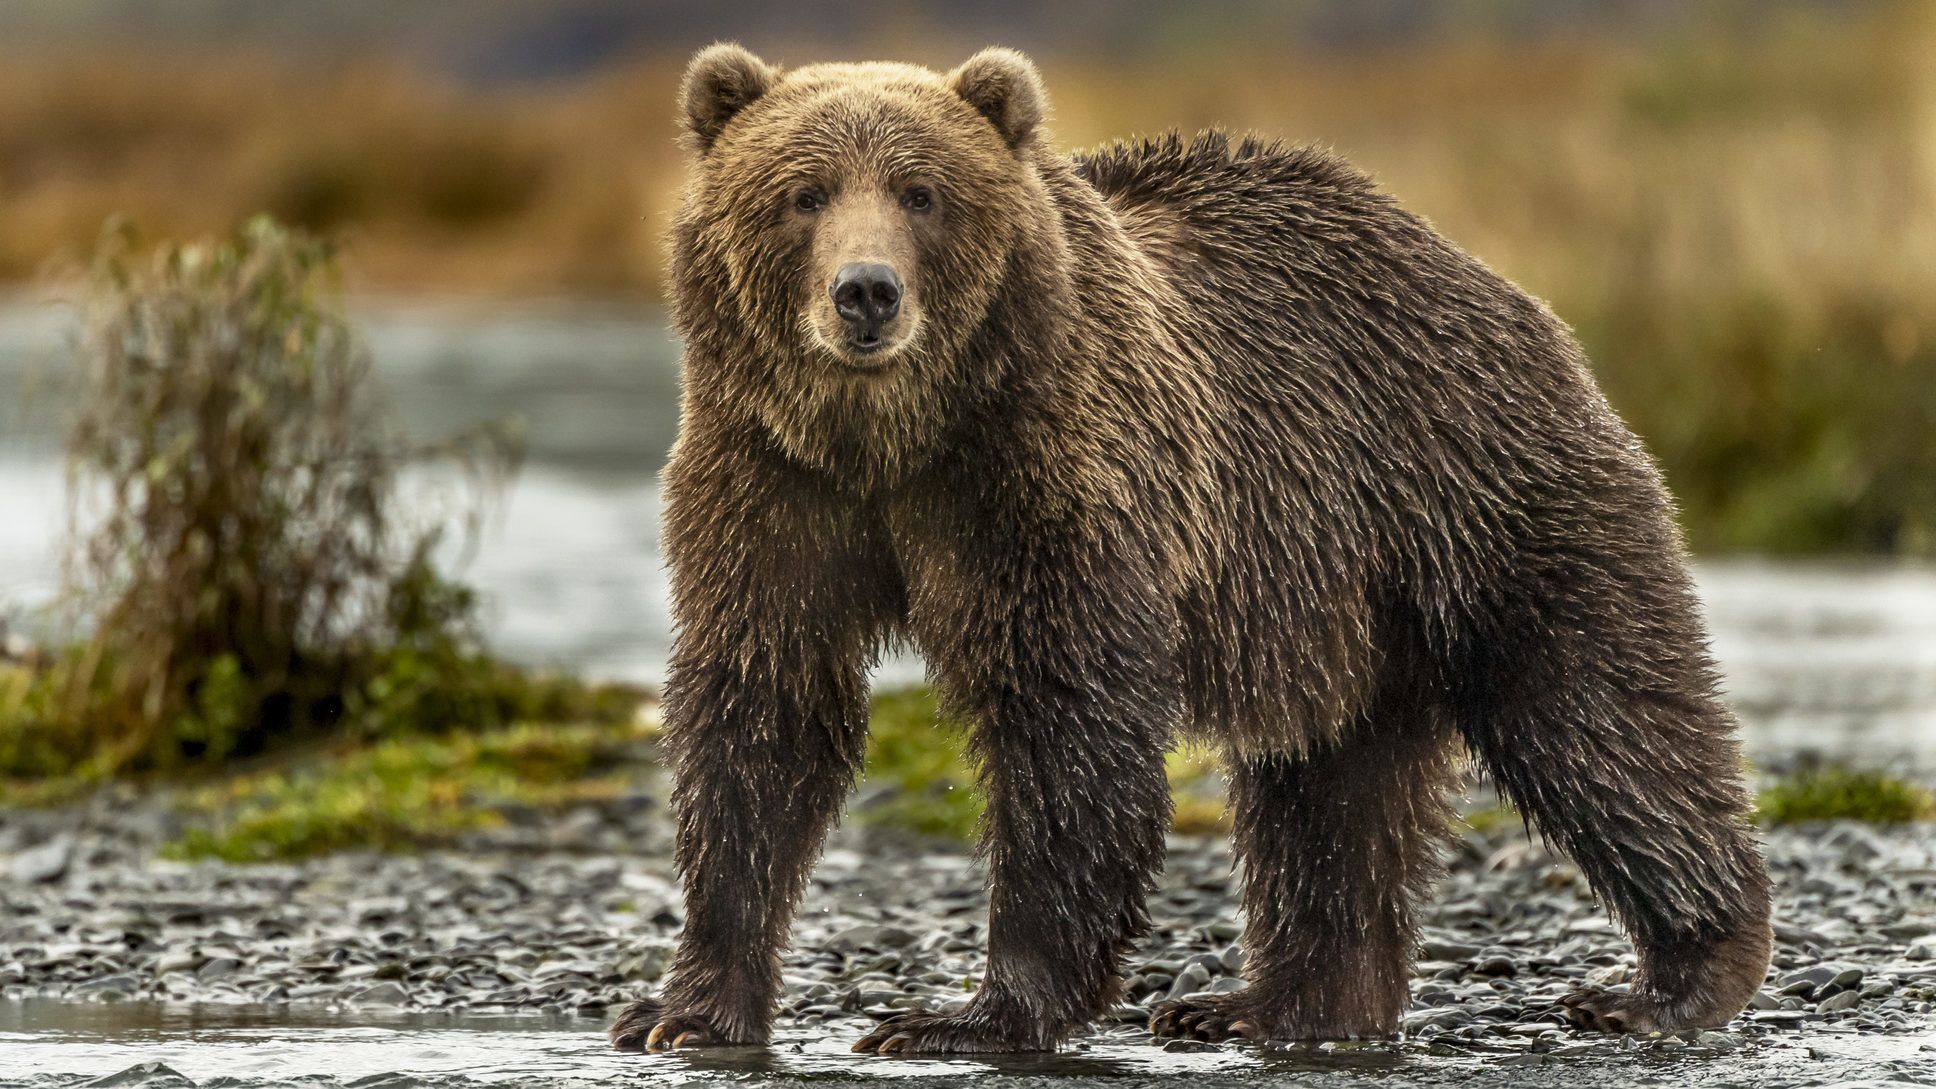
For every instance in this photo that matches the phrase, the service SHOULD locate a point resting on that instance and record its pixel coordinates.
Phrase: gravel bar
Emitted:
(555, 917)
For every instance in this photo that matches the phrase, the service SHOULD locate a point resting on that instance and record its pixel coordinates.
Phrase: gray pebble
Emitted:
(1846, 1000)
(43, 863)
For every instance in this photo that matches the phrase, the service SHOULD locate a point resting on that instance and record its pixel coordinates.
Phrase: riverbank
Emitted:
(559, 919)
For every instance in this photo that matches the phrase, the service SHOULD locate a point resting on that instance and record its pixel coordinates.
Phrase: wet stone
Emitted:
(1845, 1000)
(218, 968)
(44, 863)
(382, 994)
(150, 1075)
(1193, 979)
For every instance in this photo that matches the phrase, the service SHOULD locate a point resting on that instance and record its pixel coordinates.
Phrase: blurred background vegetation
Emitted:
(1734, 203)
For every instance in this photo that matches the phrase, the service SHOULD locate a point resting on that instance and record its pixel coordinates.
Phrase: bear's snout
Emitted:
(866, 296)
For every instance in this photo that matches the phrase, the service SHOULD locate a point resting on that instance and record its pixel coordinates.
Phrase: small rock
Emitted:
(1189, 1046)
(1815, 976)
(39, 865)
(382, 994)
(218, 968)
(1443, 1017)
(1496, 965)
(1209, 962)
(1192, 979)
(1846, 1000)
(179, 961)
(150, 1075)
(856, 938)
(1450, 951)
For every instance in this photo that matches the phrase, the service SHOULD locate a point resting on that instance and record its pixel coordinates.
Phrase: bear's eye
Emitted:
(918, 198)
(809, 200)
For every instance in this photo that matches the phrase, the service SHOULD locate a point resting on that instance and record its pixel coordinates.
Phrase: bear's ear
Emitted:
(722, 80)
(1002, 86)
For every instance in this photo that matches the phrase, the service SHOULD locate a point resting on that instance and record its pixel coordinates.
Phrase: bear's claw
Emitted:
(633, 1022)
(1206, 1017)
(643, 1026)
(1597, 1009)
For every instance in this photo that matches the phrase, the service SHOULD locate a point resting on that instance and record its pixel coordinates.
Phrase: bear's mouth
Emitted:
(866, 351)
(863, 348)
(867, 362)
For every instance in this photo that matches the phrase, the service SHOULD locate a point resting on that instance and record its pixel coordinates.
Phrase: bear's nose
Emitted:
(866, 294)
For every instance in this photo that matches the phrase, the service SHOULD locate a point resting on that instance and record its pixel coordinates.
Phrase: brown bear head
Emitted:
(846, 230)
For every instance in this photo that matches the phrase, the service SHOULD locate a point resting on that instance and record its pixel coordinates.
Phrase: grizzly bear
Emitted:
(1176, 438)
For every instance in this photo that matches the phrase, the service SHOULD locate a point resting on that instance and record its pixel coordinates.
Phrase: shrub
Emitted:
(239, 570)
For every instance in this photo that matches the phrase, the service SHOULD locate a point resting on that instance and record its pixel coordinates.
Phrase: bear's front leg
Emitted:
(1078, 807)
(757, 782)
(1073, 695)
(780, 593)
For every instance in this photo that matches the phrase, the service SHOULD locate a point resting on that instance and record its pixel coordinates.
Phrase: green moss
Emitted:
(414, 698)
(1844, 794)
(1492, 818)
(1813, 795)
(918, 776)
(1196, 791)
(406, 792)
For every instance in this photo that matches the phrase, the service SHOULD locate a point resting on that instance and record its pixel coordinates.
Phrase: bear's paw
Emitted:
(965, 1032)
(1210, 1017)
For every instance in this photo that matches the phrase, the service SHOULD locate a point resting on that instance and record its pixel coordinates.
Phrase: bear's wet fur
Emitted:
(1181, 437)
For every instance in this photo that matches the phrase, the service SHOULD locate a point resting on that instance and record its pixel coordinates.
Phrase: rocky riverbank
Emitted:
(571, 918)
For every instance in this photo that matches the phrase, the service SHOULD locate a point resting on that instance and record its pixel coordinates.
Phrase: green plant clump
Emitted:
(241, 568)
(1843, 794)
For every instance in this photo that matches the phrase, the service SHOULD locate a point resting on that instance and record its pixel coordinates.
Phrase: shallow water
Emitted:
(1835, 660)
(247, 1047)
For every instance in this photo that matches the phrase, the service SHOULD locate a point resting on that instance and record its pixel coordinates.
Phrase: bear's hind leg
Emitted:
(1336, 845)
(1623, 757)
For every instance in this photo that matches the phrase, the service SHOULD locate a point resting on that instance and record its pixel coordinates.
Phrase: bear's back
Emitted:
(1404, 405)
(1317, 297)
